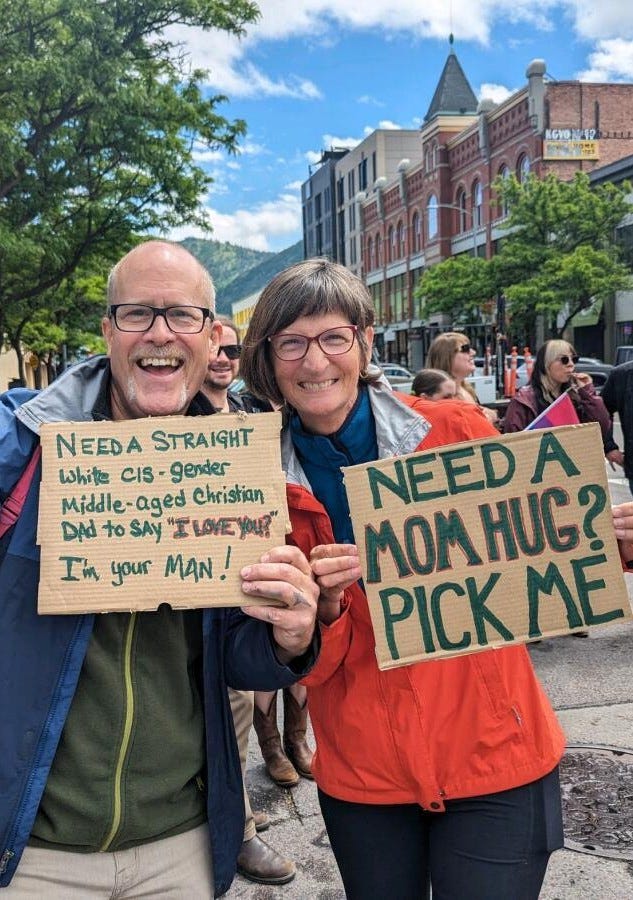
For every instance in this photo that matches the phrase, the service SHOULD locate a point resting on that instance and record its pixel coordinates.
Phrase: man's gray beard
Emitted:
(131, 393)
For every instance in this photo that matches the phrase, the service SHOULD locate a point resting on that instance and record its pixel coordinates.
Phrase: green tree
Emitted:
(99, 119)
(558, 254)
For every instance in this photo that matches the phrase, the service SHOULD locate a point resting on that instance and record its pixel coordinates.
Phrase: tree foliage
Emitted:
(559, 253)
(99, 120)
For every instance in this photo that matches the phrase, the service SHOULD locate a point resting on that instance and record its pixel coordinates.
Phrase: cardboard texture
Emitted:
(487, 543)
(160, 510)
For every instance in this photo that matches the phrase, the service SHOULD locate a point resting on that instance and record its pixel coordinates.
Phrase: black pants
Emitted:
(494, 847)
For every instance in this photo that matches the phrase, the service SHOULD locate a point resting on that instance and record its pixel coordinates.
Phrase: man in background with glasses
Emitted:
(119, 767)
(257, 860)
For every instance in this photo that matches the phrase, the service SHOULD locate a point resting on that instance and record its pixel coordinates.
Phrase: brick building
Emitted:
(443, 205)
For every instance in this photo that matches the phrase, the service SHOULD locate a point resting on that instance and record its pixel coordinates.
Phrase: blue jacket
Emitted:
(41, 656)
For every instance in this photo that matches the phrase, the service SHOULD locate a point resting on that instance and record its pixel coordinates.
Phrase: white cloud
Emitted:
(293, 186)
(607, 19)
(495, 92)
(369, 100)
(318, 22)
(611, 61)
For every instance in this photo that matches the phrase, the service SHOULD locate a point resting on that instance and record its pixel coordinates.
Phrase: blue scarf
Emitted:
(322, 457)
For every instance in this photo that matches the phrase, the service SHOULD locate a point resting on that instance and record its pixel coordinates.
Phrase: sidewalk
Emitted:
(590, 684)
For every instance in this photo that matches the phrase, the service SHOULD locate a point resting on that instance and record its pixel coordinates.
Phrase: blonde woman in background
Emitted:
(452, 353)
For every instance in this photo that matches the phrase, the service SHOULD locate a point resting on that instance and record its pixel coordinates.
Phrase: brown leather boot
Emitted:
(295, 744)
(277, 763)
(258, 862)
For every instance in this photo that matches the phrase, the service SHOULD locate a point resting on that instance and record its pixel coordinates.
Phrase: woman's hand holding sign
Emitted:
(284, 574)
(335, 567)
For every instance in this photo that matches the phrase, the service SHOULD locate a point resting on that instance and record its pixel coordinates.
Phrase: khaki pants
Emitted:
(242, 709)
(175, 868)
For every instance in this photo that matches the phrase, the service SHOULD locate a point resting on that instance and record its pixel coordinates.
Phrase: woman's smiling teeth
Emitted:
(317, 385)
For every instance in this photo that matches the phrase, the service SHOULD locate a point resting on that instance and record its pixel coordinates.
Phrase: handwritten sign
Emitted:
(488, 543)
(134, 514)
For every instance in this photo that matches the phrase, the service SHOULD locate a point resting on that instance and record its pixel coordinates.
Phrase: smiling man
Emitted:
(119, 767)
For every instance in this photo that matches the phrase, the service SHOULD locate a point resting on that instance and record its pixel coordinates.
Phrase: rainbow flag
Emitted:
(561, 412)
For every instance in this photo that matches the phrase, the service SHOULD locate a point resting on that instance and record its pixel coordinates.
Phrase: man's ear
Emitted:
(106, 330)
(215, 335)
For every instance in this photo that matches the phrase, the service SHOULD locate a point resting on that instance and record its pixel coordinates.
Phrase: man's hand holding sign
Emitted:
(489, 543)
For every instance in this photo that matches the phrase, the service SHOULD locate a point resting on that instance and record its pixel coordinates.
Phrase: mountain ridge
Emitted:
(239, 271)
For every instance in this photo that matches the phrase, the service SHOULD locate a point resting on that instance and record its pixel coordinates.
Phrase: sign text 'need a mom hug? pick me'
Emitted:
(487, 543)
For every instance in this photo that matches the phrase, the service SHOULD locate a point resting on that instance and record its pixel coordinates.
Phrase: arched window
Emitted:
(504, 207)
(523, 167)
(391, 244)
(416, 232)
(431, 217)
(400, 240)
(478, 202)
(462, 211)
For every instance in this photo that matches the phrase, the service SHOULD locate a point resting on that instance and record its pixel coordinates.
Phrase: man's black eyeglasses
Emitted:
(231, 351)
(137, 317)
(565, 359)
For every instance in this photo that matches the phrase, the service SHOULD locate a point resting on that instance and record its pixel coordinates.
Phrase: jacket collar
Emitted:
(81, 394)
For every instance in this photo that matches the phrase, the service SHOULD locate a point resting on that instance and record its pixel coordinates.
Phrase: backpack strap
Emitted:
(12, 506)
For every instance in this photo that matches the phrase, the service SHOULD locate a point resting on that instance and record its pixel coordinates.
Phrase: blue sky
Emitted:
(316, 73)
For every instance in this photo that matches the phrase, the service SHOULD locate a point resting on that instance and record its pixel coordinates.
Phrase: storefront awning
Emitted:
(588, 316)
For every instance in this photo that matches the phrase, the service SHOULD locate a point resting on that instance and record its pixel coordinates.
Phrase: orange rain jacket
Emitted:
(435, 730)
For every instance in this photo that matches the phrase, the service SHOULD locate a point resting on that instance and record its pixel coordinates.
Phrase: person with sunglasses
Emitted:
(445, 769)
(553, 374)
(452, 352)
(257, 860)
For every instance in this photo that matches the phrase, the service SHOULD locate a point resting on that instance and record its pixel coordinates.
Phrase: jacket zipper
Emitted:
(127, 733)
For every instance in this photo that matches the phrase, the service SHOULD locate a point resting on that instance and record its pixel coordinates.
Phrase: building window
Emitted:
(309, 208)
(340, 192)
(462, 211)
(352, 217)
(352, 251)
(378, 251)
(317, 207)
(391, 244)
(523, 168)
(369, 254)
(362, 175)
(504, 207)
(326, 199)
(400, 232)
(350, 185)
(431, 218)
(478, 202)
(416, 232)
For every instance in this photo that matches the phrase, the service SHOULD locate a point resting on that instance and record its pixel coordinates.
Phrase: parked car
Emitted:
(623, 354)
(398, 377)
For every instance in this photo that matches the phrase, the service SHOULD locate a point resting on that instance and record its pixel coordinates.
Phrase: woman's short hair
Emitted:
(313, 287)
(427, 382)
(442, 350)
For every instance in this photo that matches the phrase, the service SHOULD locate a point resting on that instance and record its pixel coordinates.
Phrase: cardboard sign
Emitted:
(487, 543)
(138, 513)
